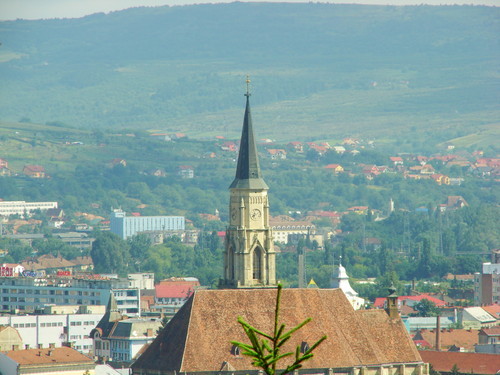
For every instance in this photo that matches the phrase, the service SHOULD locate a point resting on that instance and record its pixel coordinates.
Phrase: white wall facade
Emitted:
(46, 330)
(20, 207)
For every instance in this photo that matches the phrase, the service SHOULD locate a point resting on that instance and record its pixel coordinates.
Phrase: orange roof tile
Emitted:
(462, 338)
(198, 336)
(476, 363)
(32, 357)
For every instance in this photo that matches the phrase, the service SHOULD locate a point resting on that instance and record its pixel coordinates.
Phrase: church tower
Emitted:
(249, 257)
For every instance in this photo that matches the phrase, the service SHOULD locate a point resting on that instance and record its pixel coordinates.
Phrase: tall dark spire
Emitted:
(248, 174)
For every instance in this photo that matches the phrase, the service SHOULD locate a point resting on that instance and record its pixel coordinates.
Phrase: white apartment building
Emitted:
(8, 208)
(33, 291)
(128, 226)
(43, 331)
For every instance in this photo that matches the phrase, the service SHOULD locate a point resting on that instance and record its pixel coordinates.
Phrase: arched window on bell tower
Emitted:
(230, 263)
(257, 263)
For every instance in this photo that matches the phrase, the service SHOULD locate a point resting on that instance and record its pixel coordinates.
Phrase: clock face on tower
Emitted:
(255, 214)
(233, 214)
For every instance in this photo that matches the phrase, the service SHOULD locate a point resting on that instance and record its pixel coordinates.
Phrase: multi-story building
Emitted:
(44, 331)
(171, 294)
(33, 290)
(8, 208)
(487, 285)
(127, 226)
(284, 230)
(119, 339)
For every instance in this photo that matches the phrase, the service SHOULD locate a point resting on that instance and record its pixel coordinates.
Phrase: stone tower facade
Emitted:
(249, 258)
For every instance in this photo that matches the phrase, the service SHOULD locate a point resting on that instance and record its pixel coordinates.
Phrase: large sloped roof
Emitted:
(198, 337)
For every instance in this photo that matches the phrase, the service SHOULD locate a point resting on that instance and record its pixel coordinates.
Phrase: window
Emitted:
(304, 347)
(236, 351)
(257, 264)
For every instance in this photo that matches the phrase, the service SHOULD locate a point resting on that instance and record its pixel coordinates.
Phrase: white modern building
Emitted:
(44, 331)
(32, 291)
(8, 208)
(128, 226)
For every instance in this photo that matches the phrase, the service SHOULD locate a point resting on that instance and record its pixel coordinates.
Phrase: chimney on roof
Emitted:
(149, 332)
(52, 345)
(27, 346)
(15, 347)
(438, 333)
(392, 303)
(40, 346)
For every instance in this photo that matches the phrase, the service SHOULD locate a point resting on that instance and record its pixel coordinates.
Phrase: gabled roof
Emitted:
(474, 363)
(494, 331)
(493, 310)
(34, 168)
(107, 322)
(479, 314)
(463, 338)
(198, 336)
(52, 356)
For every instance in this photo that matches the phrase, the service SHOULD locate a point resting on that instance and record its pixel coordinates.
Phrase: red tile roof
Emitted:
(462, 338)
(492, 310)
(494, 331)
(62, 355)
(379, 302)
(198, 336)
(176, 289)
(474, 363)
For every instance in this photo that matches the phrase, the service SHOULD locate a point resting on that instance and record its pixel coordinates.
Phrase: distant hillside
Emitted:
(317, 70)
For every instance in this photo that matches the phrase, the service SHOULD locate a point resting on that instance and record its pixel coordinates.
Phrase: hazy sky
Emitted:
(37, 9)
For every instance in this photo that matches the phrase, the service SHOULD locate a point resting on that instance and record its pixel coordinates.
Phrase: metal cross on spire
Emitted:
(248, 86)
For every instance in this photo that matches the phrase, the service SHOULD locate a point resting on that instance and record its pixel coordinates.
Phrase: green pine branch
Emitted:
(265, 349)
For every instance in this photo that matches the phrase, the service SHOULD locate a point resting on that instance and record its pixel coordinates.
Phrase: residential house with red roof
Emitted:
(489, 335)
(54, 361)
(396, 160)
(335, 168)
(440, 179)
(427, 169)
(409, 300)
(229, 146)
(298, 147)
(455, 339)
(172, 293)
(470, 363)
(276, 153)
(34, 171)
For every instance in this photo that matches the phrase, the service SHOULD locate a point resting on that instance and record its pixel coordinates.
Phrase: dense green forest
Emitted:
(317, 70)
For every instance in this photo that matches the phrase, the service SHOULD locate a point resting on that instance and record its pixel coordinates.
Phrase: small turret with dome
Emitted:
(340, 280)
